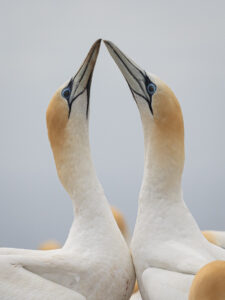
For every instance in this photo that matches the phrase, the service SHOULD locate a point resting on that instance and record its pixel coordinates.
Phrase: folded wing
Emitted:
(160, 284)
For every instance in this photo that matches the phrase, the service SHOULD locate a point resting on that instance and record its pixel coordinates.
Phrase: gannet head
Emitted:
(159, 108)
(67, 119)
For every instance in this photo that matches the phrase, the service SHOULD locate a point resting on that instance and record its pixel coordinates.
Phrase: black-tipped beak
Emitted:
(82, 80)
(83, 77)
(135, 76)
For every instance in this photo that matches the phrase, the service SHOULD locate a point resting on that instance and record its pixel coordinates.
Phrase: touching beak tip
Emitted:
(110, 47)
(97, 44)
(95, 48)
(94, 51)
(133, 74)
(108, 44)
(87, 68)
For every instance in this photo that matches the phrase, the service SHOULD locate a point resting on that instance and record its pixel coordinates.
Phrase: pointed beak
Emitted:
(82, 80)
(134, 75)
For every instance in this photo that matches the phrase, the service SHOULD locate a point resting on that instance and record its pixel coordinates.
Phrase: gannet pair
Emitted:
(167, 246)
(95, 262)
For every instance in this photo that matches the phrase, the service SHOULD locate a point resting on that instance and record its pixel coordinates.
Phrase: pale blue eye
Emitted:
(151, 88)
(66, 93)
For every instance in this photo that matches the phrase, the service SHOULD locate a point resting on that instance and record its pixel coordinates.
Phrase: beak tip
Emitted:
(107, 43)
(97, 44)
(98, 41)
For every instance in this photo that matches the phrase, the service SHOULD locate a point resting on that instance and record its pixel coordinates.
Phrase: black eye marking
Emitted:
(151, 88)
(66, 93)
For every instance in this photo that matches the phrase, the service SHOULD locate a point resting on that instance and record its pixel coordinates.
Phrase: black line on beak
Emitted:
(127, 67)
(88, 86)
(145, 78)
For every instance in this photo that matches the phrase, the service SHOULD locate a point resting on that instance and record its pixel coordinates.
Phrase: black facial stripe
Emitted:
(88, 95)
(70, 103)
(147, 79)
(150, 105)
(70, 85)
(149, 101)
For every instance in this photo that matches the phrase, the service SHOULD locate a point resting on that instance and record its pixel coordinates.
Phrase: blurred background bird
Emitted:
(49, 245)
(208, 283)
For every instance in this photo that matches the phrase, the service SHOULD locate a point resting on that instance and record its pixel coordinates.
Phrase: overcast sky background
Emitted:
(43, 43)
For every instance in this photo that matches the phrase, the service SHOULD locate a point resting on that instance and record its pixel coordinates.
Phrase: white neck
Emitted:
(77, 174)
(161, 207)
(161, 185)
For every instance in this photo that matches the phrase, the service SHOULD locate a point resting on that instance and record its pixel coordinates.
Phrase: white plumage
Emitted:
(95, 262)
(168, 247)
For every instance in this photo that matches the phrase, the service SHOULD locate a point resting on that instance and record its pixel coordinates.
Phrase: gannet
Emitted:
(215, 237)
(49, 245)
(167, 246)
(95, 258)
(208, 283)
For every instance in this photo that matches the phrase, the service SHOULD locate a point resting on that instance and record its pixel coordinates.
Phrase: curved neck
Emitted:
(75, 168)
(162, 213)
(77, 174)
(163, 164)
(69, 140)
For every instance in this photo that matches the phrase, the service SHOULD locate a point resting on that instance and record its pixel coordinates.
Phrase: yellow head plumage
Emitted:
(160, 112)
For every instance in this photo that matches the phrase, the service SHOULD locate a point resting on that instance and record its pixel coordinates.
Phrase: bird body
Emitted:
(167, 246)
(95, 262)
(17, 282)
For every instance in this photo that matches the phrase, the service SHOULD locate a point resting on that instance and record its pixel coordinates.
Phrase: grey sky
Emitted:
(43, 44)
